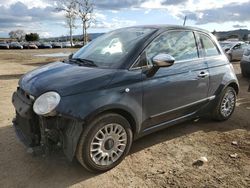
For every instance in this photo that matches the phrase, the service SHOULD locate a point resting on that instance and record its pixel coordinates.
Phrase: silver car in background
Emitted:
(233, 50)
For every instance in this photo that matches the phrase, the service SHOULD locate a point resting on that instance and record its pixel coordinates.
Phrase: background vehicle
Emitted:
(45, 45)
(27, 45)
(245, 63)
(78, 44)
(32, 46)
(234, 50)
(67, 44)
(4, 45)
(94, 104)
(57, 45)
(15, 45)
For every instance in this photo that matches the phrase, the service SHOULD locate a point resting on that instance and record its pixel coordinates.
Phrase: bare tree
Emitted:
(69, 7)
(17, 34)
(85, 11)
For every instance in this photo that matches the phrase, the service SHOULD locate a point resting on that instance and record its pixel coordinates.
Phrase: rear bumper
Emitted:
(46, 133)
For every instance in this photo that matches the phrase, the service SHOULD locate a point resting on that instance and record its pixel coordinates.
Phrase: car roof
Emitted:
(170, 27)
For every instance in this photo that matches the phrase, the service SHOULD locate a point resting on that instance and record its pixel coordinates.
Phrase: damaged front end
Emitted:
(44, 134)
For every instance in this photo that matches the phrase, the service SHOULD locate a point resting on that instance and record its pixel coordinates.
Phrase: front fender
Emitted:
(85, 105)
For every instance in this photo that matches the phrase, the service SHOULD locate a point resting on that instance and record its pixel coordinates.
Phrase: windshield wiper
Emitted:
(83, 62)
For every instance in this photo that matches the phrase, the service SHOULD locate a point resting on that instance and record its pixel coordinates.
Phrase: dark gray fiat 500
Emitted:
(121, 86)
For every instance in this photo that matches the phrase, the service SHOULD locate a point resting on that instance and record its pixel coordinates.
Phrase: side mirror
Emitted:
(160, 60)
(227, 49)
(163, 60)
(71, 56)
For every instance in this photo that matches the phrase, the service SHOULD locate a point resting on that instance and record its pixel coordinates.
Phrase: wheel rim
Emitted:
(108, 144)
(228, 103)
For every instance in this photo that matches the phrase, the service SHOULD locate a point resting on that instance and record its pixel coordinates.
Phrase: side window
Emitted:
(179, 44)
(236, 47)
(208, 46)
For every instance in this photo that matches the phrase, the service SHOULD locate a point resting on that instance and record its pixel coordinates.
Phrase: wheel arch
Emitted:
(126, 113)
(233, 85)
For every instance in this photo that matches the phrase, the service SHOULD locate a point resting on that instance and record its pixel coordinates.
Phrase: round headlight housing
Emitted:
(46, 103)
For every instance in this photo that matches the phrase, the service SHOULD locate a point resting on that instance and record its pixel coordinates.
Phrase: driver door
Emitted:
(177, 91)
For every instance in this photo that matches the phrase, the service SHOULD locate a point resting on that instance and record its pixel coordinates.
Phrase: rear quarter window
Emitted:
(209, 46)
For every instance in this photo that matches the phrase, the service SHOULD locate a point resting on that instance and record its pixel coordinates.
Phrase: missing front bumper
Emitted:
(43, 135)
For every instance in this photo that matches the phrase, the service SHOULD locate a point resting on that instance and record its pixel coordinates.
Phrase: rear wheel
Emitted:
(104, 143)
(226, 105)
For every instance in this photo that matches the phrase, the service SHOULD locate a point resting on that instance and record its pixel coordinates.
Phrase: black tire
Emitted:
(83, 153)
(217, 113)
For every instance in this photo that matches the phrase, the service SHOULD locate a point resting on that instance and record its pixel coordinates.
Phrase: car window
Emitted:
(179, 44)
(208, 46)
(244, 45)
(236, 47)
(111, 49)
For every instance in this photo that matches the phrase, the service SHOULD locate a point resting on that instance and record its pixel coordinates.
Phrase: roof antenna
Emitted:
(184, 23)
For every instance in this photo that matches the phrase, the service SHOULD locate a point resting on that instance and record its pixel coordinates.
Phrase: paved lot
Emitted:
(163, 159)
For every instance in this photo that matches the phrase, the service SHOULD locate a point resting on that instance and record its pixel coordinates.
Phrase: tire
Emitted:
(107, 134)
(225, 106)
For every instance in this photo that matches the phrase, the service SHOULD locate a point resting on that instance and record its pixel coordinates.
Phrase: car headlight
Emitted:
(46, 103)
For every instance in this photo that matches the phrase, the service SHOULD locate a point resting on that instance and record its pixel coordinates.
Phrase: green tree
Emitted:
(32, 37)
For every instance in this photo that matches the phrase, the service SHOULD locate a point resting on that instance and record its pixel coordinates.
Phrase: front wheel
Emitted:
(104, 143)
(226, 105)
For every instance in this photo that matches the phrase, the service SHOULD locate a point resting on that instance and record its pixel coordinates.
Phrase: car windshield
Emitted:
(110, 49)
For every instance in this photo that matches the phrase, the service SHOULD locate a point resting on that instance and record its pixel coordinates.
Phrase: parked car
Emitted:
(57, 45)
(245, 63)
(67, 45)
(93, 105)
(33, 46)
(45, 45)
(27, 45)
(234, 50)
(78, 44)
(15, 45)
(4, 45)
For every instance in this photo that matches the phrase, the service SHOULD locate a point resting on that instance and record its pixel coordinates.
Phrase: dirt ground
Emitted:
(162, 159)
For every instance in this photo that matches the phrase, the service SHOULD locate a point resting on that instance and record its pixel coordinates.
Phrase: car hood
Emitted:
(66, 79)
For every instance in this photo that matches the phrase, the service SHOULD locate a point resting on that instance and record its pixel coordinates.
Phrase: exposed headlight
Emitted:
(46, 103)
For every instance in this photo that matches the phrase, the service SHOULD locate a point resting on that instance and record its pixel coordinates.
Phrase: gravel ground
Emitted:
(163, 159)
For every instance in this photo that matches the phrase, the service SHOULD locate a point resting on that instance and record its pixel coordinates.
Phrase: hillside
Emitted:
(242, 34)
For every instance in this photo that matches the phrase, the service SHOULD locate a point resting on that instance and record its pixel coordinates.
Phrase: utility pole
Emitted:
(184, 23)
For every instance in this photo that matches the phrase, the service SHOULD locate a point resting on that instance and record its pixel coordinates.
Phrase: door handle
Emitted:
(203, 74)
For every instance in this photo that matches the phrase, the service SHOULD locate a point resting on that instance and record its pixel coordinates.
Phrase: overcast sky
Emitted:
(40, 16)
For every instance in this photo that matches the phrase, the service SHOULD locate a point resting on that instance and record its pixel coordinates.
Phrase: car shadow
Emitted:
(187, 128)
